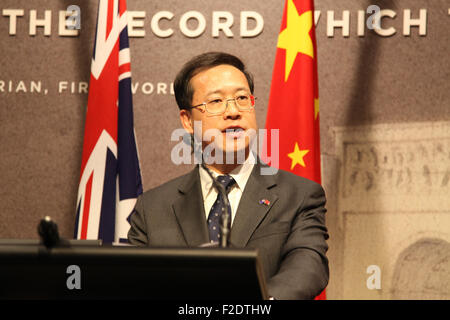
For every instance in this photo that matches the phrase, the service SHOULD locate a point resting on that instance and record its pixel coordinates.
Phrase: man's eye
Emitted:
(215, 101)
(242, 98)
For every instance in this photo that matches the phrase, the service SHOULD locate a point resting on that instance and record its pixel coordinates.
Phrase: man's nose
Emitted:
(231, 109)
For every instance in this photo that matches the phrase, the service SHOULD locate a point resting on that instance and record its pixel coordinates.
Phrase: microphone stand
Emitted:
(225, 217)
(48, 232)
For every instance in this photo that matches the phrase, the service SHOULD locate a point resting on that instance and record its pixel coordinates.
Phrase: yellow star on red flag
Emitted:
(316, 108)
(295, 38)
(297, 156)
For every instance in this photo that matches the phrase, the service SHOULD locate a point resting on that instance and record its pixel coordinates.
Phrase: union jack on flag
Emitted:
(110, 179)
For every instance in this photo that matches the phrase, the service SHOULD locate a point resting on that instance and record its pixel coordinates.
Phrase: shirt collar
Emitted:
(240, 174)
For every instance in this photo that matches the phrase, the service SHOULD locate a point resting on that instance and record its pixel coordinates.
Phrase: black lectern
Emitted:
(31, 271)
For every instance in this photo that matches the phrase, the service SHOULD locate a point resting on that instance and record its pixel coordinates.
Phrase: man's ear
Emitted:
(186, 121)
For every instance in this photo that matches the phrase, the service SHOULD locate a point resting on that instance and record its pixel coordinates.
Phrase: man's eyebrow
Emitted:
(213, 92)
(221, 91)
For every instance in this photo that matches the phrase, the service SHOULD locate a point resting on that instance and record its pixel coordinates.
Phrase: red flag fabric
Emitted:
(294, 96)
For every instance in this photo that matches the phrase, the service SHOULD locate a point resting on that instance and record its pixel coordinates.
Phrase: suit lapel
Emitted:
(250, 211)
(190, 211)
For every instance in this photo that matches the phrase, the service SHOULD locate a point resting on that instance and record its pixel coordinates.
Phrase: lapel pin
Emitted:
(265, 202)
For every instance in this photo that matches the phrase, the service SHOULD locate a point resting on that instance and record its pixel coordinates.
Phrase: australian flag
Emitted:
(110, 179)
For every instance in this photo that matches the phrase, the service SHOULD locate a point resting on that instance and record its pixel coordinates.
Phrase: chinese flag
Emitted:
(294, 97)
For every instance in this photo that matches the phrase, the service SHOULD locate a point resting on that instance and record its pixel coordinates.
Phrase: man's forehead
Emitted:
(218, 77)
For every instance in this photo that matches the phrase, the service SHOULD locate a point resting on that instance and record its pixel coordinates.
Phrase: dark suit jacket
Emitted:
(289, 233)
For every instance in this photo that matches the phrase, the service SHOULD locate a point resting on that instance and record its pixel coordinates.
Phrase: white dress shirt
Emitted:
(240, 174)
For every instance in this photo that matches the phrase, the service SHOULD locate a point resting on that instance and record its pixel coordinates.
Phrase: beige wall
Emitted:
(384, 98)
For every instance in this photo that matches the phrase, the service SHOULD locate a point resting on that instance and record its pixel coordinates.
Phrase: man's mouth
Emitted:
(234, 132)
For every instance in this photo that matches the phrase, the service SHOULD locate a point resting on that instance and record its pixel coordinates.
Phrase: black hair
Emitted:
(182, 84)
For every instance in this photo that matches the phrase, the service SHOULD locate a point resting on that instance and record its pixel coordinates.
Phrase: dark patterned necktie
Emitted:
(216, 210)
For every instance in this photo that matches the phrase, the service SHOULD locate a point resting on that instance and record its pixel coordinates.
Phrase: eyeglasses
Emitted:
(218, 106)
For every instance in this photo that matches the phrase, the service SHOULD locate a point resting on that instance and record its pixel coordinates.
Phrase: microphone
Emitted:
(48, 232)
(225, 219)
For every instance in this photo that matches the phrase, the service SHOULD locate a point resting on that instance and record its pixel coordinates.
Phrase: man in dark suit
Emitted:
(280, 214)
